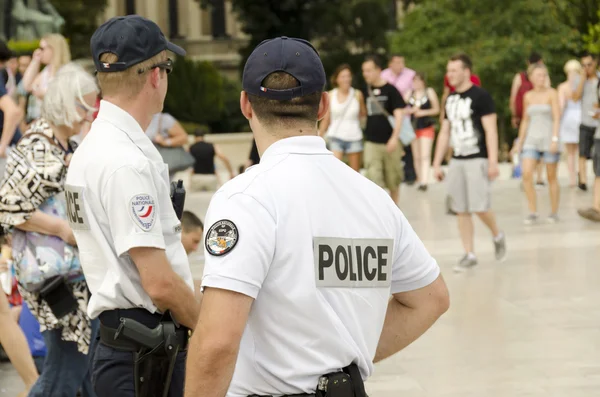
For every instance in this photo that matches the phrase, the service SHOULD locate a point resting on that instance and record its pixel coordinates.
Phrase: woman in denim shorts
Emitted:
(341, 126)
(539, 140)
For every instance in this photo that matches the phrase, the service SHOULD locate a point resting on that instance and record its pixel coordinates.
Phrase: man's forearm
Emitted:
(183, 303)
(415, 321)
(209, 368)
(441, 149)
(491, 139)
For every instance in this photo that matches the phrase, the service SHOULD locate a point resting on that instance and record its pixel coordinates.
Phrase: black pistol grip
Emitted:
(178, 197)
(139, 333)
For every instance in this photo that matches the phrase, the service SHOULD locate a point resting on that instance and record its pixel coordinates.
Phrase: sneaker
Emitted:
(590, 214)
(422, 188)
(500, 247)
(467, 262)
(530, 219)
(553, 218)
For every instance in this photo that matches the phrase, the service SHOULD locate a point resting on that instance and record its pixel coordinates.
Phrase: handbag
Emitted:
(177, 158)
(40, 257)
(407, 132)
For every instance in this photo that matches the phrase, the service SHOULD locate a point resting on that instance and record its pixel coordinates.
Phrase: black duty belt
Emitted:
(110, 323)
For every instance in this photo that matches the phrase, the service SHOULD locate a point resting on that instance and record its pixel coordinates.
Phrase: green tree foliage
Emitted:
(195, 92)
(80, 23)
(342, 29)
(498, 37)
(592, 38)
(581, 15)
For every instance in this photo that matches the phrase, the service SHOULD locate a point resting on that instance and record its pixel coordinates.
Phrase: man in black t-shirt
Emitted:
(204, 176)
(470, 122)
(383, 150)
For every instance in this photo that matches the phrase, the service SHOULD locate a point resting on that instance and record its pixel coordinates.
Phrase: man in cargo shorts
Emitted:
(470, 121)
(383, 150)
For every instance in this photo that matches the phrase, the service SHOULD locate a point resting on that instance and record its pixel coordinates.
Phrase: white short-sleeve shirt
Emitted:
(118, 198)
(320, 248)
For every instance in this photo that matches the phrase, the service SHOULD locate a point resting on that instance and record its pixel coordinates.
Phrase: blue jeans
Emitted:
(549, 158)
(66, 370)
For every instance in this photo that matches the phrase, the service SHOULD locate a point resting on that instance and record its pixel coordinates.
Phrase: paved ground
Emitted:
(527, 327)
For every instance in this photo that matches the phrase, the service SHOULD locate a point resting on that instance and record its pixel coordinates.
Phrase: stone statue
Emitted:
(28, 19)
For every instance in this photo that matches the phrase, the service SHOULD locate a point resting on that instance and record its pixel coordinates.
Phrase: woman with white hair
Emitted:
(571, 116)
(34, 180)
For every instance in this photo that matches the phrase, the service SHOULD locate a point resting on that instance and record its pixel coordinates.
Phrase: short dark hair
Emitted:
(200, 132)
(534, 57)
(189, 221)
(273, 111)
(464, 58)
(5, 52)
(337, 72)
(587, 54)
(395, 55)
(375, 59)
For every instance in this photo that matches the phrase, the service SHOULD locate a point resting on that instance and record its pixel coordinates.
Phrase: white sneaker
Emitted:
(467, 262)
(530, 219)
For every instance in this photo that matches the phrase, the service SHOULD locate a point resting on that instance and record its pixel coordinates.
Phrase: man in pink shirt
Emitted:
(398, 75)
(401, 77)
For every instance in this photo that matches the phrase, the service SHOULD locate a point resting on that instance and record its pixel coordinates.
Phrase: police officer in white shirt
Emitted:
(302, 254)
(127, 231)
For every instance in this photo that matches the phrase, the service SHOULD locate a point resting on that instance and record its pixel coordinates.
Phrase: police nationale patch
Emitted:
(221, 237)
(142, 209)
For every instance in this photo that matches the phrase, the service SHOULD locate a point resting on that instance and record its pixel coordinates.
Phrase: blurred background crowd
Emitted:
(507, 41)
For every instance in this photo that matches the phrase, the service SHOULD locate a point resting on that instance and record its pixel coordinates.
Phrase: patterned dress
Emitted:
(36, 169)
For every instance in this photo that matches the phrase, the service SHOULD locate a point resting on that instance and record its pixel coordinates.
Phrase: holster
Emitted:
(347, 383)
(155, 349)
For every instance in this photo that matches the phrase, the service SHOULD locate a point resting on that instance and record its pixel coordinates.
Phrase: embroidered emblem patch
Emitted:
(143, 211)
(221, 237)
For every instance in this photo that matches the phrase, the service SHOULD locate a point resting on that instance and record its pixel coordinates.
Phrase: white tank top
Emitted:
(345, 124)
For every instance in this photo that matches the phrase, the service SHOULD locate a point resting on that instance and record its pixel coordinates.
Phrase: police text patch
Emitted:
(142, 209)
(353, 262)
(221, 237)
(76, 214)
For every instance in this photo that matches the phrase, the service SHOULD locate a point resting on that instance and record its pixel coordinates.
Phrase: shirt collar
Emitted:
(297, 145)
(125, 122)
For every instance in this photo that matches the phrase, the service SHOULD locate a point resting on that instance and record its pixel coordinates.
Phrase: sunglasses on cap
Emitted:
(167, 66)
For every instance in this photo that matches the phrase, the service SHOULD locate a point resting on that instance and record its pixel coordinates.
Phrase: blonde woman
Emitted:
(571, 116)
(53, 53)
(539, 139)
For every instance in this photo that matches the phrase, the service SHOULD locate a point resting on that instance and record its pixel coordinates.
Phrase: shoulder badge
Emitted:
(143, 211)
(221, 237)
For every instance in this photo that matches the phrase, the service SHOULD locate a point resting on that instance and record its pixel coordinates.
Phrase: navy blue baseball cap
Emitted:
(132, 38)
(296, 57)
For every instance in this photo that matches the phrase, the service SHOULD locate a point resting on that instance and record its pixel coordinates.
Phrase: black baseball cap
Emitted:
(296, 57)
(132, 38)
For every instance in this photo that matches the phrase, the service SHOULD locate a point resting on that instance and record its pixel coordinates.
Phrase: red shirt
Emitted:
(474, 79)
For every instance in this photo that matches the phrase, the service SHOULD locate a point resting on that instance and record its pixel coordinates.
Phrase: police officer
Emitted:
(302, 254)
(128, 234)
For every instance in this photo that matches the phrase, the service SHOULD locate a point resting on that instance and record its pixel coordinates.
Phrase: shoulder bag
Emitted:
(177, 158)
(407, 132)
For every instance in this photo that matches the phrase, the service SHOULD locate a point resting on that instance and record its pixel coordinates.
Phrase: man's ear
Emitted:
(155, 77)
(323, 106)
(245, 106)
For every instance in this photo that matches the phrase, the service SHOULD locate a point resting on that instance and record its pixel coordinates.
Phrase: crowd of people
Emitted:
(386, 129)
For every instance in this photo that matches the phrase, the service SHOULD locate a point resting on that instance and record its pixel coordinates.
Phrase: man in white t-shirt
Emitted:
(297, 281)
